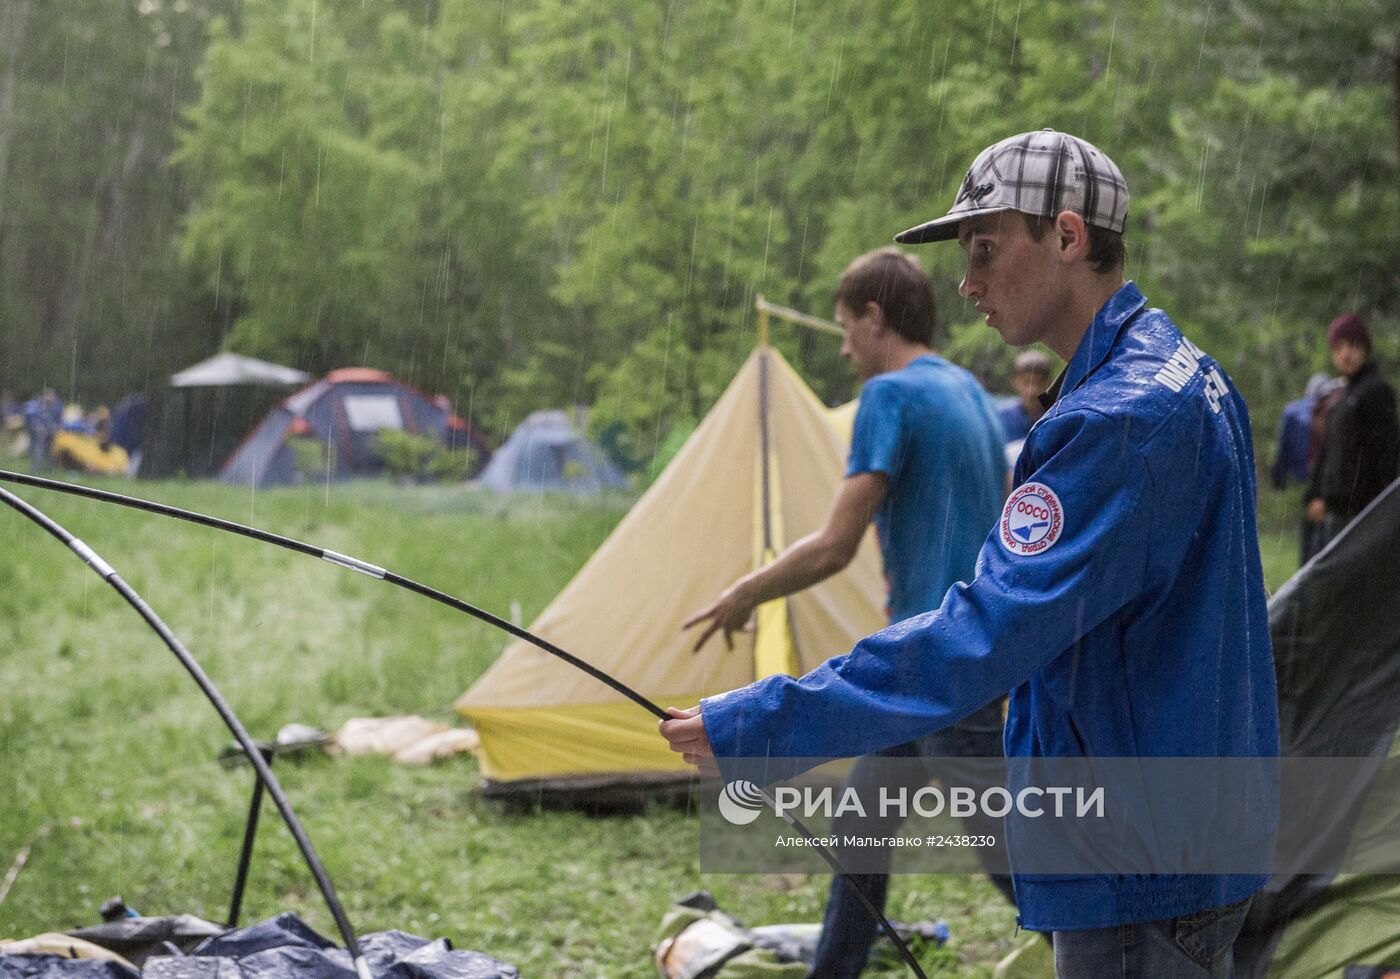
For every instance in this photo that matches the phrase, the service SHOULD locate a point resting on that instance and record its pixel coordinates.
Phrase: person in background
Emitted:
(925, 466)
(43, 417)
(1299, 442)
(1030, 376)
(1361, 444)
(1291, 462)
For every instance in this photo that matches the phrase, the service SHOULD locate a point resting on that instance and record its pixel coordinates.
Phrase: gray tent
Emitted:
(546, 452)
(193, 425)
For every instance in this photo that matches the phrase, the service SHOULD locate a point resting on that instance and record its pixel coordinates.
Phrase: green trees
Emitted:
(91, 296)
(535, 204)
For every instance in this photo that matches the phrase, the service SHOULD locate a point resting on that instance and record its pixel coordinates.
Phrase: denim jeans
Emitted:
(848, 930)
(1194, 946)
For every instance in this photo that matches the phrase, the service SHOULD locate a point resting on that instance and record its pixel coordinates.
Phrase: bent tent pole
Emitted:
(108, 574)
(374, 571)
(342, 560)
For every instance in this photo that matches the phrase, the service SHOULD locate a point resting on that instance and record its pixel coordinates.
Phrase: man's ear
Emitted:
(1071, 236)
(877, 315)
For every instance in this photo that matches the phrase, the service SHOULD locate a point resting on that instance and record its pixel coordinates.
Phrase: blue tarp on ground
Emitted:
(278, 948)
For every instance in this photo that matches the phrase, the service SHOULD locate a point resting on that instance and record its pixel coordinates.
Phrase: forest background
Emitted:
(540, 203)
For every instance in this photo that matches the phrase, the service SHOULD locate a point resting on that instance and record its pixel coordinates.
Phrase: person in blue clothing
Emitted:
(1294, 433)
(1030, 376)
(925, 466)
(1120, 598)
(1295, 455)
(43, 419)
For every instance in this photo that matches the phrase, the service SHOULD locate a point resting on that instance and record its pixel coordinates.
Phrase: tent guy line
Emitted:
(373, 571)
(108, 574)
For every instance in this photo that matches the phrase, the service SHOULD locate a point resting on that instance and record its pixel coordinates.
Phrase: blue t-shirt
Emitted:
(1014, 421)
(933, 432)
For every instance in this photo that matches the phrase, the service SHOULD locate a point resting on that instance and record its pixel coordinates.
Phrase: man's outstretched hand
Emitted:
(685, 732)
(729, 614)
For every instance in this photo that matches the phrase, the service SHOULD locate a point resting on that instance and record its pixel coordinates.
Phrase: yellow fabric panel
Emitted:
(827, 619)
(686, 540)
(842, 418)
(589, 739)
(773, 652)
(681, 544)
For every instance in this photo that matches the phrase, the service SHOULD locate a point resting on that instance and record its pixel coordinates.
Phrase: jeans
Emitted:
(848, 930)
(1194, 946)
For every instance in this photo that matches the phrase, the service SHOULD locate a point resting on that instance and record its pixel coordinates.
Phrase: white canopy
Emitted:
(227, 369)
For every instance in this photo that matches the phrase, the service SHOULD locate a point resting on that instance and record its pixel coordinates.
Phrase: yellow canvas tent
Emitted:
(759, 472)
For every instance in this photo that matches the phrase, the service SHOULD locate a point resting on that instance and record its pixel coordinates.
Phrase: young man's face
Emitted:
(1348, 357)
(864, 343)
(1016, 281)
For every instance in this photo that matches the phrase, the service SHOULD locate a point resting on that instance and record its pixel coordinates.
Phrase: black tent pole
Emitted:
(245, 855)
(342, 560)
(108, 574)
(374, 571)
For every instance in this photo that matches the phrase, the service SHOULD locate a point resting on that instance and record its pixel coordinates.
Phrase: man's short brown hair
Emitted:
(897, 283)
(1106, 253)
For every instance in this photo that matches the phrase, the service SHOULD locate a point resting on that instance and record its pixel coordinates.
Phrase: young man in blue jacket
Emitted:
(926, 467)
(1120, 598)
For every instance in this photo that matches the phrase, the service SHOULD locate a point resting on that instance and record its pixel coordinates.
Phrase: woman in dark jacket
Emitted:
(1361, 449)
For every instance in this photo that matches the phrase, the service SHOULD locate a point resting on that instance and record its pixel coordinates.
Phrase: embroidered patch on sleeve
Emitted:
(1032, 520)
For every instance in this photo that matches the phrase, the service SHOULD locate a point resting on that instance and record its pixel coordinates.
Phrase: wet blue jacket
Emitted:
(1120, 599)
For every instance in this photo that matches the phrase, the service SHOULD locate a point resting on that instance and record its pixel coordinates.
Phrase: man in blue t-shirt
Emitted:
(926, 466)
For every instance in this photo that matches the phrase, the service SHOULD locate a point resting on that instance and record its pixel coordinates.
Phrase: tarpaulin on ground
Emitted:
(278, 948)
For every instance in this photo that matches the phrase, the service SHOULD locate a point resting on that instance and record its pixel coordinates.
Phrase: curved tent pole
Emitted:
(333, 557)
(374, 571)
(108, 574)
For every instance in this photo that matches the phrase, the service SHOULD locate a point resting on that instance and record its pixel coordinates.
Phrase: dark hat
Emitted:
(1349, 328)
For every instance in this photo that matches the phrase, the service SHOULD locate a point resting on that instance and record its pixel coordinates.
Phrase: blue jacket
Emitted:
(1294, 434)
(1120, 599)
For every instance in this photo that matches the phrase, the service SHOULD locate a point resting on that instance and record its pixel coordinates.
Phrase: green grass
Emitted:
(1280, 513)
(106, 743)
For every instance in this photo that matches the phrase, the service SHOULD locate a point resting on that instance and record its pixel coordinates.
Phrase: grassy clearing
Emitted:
(106, 742)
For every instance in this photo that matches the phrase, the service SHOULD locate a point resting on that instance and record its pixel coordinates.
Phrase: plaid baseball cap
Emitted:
(1040, 173)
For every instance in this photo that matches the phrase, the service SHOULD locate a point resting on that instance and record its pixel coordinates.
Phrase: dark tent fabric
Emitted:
(278, 948)
(194, 424)
(135, 938)
(128, 420)
(1337, 655)
(192, 431)
(328, 429)
(284, 946)
(546, 452)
